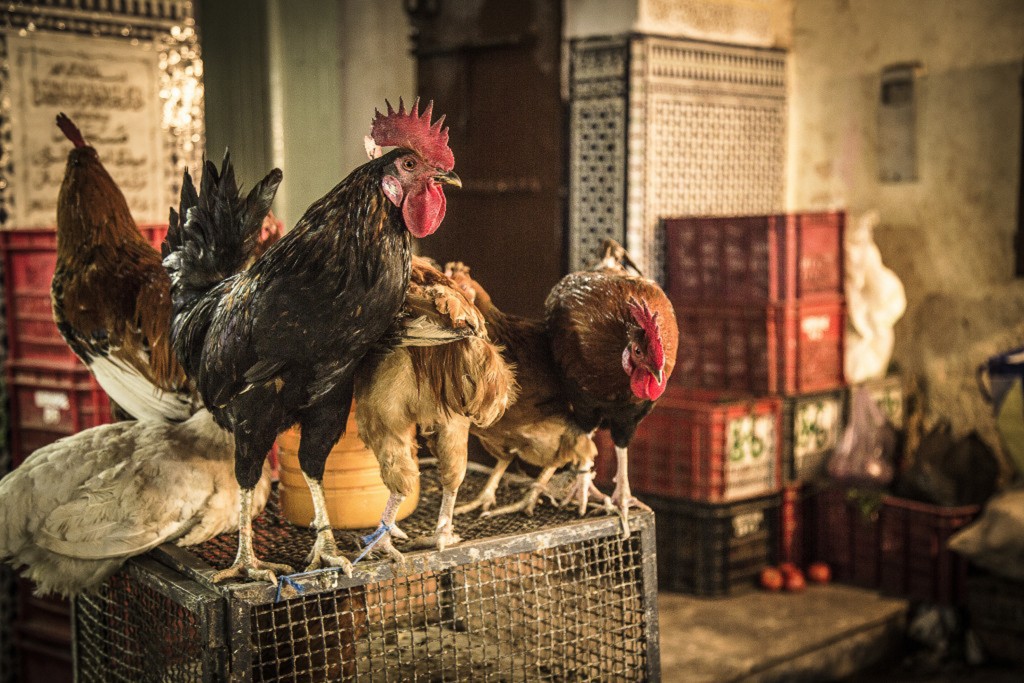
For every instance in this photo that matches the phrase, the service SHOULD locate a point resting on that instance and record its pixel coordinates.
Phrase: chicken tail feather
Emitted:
(70, 130)
(467, 377)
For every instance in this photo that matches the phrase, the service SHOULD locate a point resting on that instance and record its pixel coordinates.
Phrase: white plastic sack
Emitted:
(875, 300)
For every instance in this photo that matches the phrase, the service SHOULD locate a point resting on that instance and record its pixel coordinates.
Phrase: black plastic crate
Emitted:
(996, 608)
(715, 548)
(547, 597)
(812, 425)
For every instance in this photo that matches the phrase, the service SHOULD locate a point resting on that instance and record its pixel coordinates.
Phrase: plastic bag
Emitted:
(864, 455)
(996, 540)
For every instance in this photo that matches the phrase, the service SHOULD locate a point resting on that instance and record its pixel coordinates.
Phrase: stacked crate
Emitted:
(756, 398)
(51, 395)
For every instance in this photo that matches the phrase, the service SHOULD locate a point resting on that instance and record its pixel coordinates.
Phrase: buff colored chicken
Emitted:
(444, 378)
(76, 509)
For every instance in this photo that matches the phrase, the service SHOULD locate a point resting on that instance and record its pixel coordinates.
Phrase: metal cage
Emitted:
(548, 597)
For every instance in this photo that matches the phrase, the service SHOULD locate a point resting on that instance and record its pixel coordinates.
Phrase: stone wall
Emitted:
(948, 234)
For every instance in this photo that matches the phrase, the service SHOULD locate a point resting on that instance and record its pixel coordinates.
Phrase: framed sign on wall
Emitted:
(128, 74)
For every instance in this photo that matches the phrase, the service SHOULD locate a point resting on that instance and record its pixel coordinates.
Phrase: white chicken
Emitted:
(76, 509)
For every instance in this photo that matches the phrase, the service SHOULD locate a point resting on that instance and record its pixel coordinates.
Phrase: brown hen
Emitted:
(538, 428)
(111, 296)
(614, 339)
(445, 378)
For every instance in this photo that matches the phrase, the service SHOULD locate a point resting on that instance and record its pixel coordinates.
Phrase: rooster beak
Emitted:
(449, 178)
(659, 376)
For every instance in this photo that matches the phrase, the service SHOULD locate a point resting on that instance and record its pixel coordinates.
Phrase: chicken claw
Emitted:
(254, 569)
(440, 539)
(527, 503)
(622, 498)
(581, 491)
(487, 498)
(325, 552)
(246, 563)
(379, 542)
(444, 535)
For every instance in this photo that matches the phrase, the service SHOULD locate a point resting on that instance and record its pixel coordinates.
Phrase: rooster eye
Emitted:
(409, 164)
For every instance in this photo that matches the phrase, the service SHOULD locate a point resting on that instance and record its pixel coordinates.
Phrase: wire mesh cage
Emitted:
(548, 597)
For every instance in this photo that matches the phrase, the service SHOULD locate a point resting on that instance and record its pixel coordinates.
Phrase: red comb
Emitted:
(648, 322)
(413, 130)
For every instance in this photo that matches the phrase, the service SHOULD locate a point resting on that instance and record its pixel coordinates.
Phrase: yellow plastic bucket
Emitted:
(355, 493)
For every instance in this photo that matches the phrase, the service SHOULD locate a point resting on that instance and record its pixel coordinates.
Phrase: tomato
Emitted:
(787, 568)
(795, 582)
(771, 579)
(819, 572)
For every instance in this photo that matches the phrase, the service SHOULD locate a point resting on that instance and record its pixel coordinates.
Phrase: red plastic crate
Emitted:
(899, 548)
(915, 560)
(29, 260)
(702, 447)
(796, 537)
(42, 633)
(847, 537)
(51, 401)
(770, 349)
(714, 548)
(776, 258)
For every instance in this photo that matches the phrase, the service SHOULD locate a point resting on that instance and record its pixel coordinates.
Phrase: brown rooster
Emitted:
(614, 339)
(111, 296)
(538, 428)
(279, 343)
(442, 386)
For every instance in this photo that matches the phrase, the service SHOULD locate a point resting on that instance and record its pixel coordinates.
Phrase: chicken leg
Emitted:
(444, 534)
(324, 550)
(246, 563)
(582, 490)
(448, 443)
(622, 498)
(487, 497)
(388, 529)
(528, 502)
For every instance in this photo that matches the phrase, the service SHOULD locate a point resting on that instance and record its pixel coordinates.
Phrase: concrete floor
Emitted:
(826, 633)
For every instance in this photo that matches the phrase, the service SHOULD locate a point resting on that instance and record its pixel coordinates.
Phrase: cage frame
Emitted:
(228, 648)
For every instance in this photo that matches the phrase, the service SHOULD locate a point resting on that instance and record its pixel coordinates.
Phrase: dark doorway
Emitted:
(494, 68)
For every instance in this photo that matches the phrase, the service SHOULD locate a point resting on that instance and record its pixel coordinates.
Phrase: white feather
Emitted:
(424, 331)
(76, 509)
(131, 390)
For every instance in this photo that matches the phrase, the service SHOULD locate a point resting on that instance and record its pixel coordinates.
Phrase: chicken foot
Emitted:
(487, 498)
(388, 530)
(582, 489)
(528, 502)
(246, 563)
(622, 498)
(444, 535)
(324, 550)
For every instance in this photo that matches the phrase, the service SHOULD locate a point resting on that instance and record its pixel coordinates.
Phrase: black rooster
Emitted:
(279, 343)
